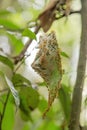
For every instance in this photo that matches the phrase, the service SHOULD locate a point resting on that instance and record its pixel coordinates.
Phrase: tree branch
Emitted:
(72, 12)
(77, 93)
(21, 55)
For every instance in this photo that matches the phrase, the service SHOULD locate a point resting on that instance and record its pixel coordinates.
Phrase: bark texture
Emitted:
(77, 93)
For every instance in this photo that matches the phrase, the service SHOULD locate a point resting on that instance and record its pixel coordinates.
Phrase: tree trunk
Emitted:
(77, 93)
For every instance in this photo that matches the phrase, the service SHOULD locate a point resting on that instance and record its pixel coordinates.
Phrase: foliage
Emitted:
(19, 96)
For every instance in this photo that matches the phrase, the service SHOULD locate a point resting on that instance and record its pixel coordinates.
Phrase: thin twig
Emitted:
(72, 12)
(21, 55)
(22, 61)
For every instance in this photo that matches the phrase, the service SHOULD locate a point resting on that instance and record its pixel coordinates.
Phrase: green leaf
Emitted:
(13, 91)
(26, 127)
(65, 100)
(42, 84)
(2, 98)
(25, 115)
(8, 24)
(64, 54)
(18, 80)
(17, 44)
(42, 105)
(29, 99)
(29, 33)
(6, 61)
(51, 126)
(9, 117)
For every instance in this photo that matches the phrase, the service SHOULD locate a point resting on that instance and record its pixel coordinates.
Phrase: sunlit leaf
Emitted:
(9, 117)
(51, 126)
(64, 54)
(6, 61)
(29, 33)
(17, 44)
(13, 91)
(8, 24)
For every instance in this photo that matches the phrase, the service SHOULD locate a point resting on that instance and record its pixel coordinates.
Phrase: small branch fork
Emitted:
(46, 18)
